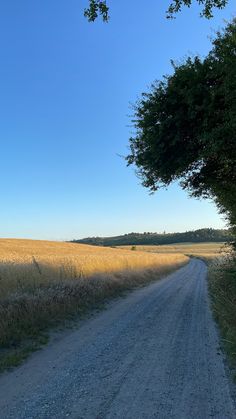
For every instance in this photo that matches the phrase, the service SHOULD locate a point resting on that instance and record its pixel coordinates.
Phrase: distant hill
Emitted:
(197, 236)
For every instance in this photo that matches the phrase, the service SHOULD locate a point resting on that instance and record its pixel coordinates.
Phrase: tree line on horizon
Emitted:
(148, 238)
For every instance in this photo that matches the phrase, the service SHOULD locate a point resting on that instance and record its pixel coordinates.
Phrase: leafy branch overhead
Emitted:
(186, 125)
(96, 8)
(100, 8)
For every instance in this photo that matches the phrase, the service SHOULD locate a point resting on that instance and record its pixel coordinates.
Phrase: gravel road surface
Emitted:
(152, 354)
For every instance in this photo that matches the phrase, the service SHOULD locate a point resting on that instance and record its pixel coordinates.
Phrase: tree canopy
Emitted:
(100, 8)
(186, 127)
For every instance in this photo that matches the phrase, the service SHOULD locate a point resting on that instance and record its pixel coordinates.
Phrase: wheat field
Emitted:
(33, 262)
(42, 282)
(204, 250)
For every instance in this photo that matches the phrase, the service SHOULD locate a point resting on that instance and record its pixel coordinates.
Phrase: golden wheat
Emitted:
(24, 262)
(42, 282)
(205, 250)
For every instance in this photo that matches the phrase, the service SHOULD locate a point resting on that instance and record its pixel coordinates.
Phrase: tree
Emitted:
(96, 8)
(100, 7)
(186, 127)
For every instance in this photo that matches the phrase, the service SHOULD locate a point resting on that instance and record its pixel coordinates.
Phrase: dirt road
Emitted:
(152, 354)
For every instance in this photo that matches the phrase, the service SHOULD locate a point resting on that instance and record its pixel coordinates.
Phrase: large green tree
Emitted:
(100, 7)
(186, 127)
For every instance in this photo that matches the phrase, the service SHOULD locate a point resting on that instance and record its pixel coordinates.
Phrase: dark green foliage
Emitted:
(197, 236)
(208, 5)
(99, 7)
(186, 127)
(96, 8)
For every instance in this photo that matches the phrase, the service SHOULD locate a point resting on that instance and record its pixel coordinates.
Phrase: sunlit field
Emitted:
(204, 250)
(27, 263)
(42, 282)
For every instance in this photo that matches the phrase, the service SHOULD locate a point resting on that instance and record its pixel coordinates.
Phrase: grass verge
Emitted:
(27, 315)
(222, 286)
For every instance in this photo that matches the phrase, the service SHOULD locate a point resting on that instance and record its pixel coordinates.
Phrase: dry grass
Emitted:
(42, 282)
(222, 285)
(202, 250)
(26, 264)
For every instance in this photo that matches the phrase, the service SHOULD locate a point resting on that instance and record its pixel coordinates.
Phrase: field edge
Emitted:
(113, 285)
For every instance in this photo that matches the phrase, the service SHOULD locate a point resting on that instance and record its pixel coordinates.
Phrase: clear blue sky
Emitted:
(65, 90)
